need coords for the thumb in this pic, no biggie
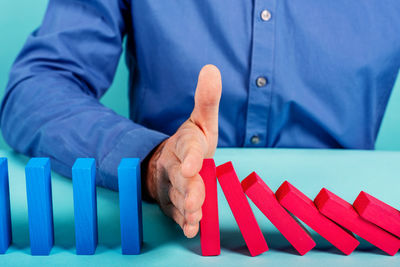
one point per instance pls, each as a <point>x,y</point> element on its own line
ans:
<point>206,103</point>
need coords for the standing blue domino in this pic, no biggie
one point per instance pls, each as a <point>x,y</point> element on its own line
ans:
<point>85,205</point>
<point>40,208</point>
<point>5,218</point>
<point>130,204</point>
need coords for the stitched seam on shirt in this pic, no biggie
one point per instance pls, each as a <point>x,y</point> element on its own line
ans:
<point>121,137</point>
<point>249,81</point>
<point>273,71</point>
<point>41,153</point>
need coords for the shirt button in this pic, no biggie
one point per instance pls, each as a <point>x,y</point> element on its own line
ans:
<point>261,81</point>
<point>255,139</point>
<point>265,15</point>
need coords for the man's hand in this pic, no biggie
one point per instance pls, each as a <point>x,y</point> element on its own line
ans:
<point>173,178</point>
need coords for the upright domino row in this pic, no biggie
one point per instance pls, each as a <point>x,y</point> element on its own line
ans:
<point>40,211</point>
<point>5,217</point>
<point>330,216</point>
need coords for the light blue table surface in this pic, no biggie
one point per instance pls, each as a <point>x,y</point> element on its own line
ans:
<point>343,172</point>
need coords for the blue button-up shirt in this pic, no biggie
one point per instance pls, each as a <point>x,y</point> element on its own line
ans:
<point>312,74</point>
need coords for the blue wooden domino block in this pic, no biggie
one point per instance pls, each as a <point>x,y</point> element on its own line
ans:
<point>5,218</point>
<point>40,207</point>
<point>130,205</point>
<point>85,205</point>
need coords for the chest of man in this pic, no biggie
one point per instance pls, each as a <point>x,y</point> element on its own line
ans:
<point>295,73</point>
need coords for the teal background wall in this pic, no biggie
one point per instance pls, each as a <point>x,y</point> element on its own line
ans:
<point>18,18</point>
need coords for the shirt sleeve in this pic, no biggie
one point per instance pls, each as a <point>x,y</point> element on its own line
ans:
<point>51,105</point>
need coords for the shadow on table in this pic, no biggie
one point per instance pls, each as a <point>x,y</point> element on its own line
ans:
<point>233,241</point>
<point>108,220</point>
<point>158,229</point>
<point>20,232</point>
<point>324,246</point>
<point>366,247</point>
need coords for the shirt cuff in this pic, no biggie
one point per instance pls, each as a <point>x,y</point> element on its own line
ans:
<point>137,143</point>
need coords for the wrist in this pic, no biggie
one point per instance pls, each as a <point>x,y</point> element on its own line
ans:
<point>149,174</point>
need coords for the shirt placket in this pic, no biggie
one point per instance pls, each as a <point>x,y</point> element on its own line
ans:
<point>261,79</point>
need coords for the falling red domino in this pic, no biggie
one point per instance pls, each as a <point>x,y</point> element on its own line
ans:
<point>265,200</point>
<point>241,209</point>
<point>343,213</point>
<point>303,208</point>
<point>209,224</point>
<point>378,212</point>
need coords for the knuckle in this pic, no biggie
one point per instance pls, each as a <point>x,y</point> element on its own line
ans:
<point>196,149</point>
<point>171,194</point>
<point>193,218</point>
<point>161,163</point>
<point>182,139</point>
<point>177,180</point>
<point>171,172</point>
<point>190,218</point>
<point>189,204</point>
<point>195,194</point>
<point>199,187</point>
<point>189,139</point>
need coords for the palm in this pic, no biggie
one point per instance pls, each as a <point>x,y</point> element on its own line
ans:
<point>173,173</point>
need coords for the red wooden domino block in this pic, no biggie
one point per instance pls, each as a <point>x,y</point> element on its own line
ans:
<point>343,213</point>
<point>265,200</point>
<point>209,224</point>
<point>378,212</point>
<point>241,209</point>
<point>303,208</point>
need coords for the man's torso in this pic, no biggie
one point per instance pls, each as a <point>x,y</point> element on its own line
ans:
<point>329,67</point>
